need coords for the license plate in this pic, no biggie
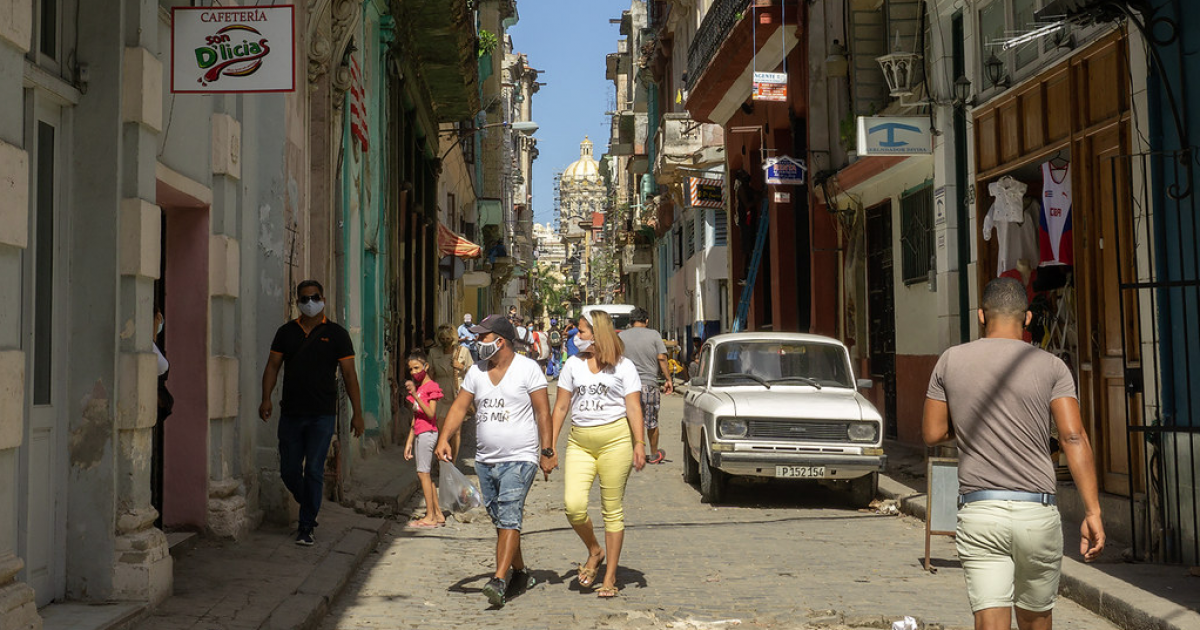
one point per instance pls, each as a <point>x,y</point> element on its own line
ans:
<point>800,472</point>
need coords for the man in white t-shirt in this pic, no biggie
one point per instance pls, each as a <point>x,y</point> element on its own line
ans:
<point>513,439</point>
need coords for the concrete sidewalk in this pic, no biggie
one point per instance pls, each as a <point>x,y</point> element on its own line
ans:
<point>264,581</point>
<point>1135,596</point>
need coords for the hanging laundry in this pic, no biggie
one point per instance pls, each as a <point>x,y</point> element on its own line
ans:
<point>1014,224</point>
<point>1055,225</point>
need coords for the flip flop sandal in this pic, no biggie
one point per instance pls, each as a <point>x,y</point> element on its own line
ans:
<point>420,525</point>
<point>657,458</point>
<point>607,592</point>
<point>586,577</point>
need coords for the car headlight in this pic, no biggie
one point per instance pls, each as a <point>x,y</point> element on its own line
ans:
<point>733,428</point>
<point>862,431</point>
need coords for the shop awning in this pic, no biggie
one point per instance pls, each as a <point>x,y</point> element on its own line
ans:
<point>451,244</point>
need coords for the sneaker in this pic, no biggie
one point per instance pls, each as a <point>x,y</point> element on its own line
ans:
<point>520,582</point>
<point>494,591</point>
<point>304,537</point>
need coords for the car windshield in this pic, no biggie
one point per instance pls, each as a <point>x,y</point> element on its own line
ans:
<point>780,363</point>
<point>620,321</point>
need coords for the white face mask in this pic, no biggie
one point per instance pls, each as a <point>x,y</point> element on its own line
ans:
<point>312,309</point>
<point>487,350</point>
<point>583,345</point>
<point>158,331</point>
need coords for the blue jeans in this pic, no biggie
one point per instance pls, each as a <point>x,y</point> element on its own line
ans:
<point>504,486</point>
<point>303,444</point>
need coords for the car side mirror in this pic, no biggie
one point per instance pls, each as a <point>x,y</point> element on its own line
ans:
<point>865,383</point>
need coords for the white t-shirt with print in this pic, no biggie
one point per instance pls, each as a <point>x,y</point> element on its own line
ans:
<point>598,398</point>
<point>505,426</point>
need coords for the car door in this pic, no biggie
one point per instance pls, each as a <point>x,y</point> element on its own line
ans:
<point>693,413</point>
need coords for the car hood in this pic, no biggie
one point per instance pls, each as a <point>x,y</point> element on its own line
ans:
<point>796,402</point>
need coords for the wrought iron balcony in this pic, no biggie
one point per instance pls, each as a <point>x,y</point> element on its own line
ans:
<point>722,16</point>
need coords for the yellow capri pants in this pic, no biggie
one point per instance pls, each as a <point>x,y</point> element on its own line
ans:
<point>606,450</point>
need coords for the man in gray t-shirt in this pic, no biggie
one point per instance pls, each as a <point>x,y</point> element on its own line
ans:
<point>995,398</point>
<point>645,347</point>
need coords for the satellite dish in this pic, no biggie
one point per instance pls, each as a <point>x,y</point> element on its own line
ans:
<point>452,267</point>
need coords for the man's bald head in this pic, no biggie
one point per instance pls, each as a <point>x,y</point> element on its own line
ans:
<point>1005,298</point>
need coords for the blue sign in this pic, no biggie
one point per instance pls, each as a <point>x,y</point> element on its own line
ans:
<point>784,171</point>
<point>894,135</point>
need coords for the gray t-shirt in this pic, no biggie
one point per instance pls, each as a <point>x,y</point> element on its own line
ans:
<point>642,346</point>
<point>999,393</point>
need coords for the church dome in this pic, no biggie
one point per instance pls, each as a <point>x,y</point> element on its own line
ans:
<point>586,168</point>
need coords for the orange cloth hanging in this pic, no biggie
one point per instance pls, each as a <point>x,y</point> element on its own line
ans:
<point>451,244</point>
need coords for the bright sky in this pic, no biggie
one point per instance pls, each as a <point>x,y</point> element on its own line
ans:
<point>567,40</point>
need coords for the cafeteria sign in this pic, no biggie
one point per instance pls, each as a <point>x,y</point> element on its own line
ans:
<point>770,86</point>
<point>233,49</point>
<point>784,171</point>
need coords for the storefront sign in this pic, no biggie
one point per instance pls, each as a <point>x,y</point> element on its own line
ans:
<point>784,171</point>
<point>782,197</point>
<point>939,206</point>
<point>894,135</point>
<point>233,49</point>
<point>770,86</point>
<point>706,192</point>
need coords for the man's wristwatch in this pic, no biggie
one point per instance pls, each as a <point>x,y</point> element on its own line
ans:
<point>547,452</point>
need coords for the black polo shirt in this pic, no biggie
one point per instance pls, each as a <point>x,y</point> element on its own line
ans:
<point>310,366</point>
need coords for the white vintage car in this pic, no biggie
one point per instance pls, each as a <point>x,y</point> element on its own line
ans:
<point>782,405</point>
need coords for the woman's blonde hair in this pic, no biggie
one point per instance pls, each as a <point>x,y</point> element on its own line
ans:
<point>606,343</point>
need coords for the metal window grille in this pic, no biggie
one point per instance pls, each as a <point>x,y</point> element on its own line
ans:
<point>916,234</point>
<point>720,228</point>
<point>689,238</point>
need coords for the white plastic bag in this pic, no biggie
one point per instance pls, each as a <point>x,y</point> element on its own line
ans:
<point>908,623</point>
<point>456,493</point>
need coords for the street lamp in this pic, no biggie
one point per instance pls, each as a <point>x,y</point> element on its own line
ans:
<point>524,126</point>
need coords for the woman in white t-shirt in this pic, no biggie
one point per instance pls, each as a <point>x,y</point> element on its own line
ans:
<point>603,392</point>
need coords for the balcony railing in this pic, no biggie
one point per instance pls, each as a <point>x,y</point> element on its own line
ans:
<point>722,16</point>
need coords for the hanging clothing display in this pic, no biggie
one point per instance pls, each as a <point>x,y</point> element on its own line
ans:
<point>1014,223</point>
<point>1055,225</point>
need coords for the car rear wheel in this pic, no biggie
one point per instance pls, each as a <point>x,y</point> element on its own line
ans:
<point>712,480</point>
<point>863,490</point>
<point>691,470</point>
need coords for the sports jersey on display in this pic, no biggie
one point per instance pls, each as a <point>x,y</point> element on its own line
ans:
<point>1054,230</point>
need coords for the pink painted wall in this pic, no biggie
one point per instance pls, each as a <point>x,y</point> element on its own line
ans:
<point>185,449</point>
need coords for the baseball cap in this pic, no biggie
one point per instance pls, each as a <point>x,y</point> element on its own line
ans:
<point>496,324</point>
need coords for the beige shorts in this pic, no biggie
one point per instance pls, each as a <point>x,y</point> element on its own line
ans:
<point>1011,552</point>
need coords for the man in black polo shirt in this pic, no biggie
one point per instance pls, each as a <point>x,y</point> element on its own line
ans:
<point>312,348</point>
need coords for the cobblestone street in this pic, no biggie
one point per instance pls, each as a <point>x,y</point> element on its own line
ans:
<point>774,556</point>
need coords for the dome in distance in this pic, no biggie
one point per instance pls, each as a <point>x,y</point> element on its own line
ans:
<point>586,168</point>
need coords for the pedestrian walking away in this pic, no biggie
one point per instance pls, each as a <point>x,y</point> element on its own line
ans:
<point>512,432</point>
<point>423,397</point>
<point>466,337</point>
<point>603,393</point>
<point>310,349</point>
<point>572,330</point>
<point>644,346</point>
<point>995,398</point>
<point>449,360</point>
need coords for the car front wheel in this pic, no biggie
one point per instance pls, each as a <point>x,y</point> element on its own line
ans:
<point>691,470</point>
<point>863,490</point>
<point>712,480</point>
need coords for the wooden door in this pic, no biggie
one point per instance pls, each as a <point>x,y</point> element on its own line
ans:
<point>881,309</point>
<point>1110,331</point>
<point>41,521</point>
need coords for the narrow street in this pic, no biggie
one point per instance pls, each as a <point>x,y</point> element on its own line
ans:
<point>775,556</point>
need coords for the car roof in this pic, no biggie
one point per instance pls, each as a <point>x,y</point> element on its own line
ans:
<point>772,336</point>
<point>620,309</point>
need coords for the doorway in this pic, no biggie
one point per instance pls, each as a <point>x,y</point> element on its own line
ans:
<point>42,524</point>
<point>881,309</point>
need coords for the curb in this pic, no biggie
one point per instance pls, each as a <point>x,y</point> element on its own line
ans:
<point>305,608</point>
<point>1120,602</point>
